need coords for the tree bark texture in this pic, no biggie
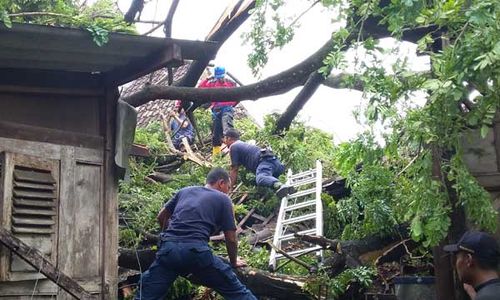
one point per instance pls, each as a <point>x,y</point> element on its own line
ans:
<point>261,283</point>
<point>313,82</point>
<point>273,85</point>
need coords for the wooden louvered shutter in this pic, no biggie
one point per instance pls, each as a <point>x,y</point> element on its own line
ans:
<point>30,210</point>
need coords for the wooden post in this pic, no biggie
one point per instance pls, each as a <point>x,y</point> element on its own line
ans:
<point>37,261</point>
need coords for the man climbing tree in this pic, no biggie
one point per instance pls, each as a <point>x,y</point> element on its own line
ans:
<point>222,111</point>
<point>187,221</point>
<point>263,162</point>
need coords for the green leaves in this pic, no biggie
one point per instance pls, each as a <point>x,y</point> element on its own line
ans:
<point>100,36</point>
<point>338,285</point>
<point>98,18</point>
<point>477,202</point>
<point>5,19</point>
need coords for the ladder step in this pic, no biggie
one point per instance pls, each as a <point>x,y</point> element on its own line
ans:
<point>290,236</point>
<point>304,181</point>
<point>300,251</point>
<point>300,205</point>
<point>302,193</point>
<point>310,173</point>
<point>299,219</point>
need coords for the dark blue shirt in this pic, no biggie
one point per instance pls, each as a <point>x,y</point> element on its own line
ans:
<point>198,212</point>
<point>179,133</point>
<point>243,154</point>
<point>489,290</point>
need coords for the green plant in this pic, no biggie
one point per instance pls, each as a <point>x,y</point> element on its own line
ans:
<point>338,285</point>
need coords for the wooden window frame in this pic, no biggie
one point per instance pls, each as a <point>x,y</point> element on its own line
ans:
<point>9,161</point>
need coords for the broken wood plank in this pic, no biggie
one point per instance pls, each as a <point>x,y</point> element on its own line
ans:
<point>37,261</point>
<point>242,199</point>
<point>193,156</point>
<point>266,221</point>
<point>259,217</point>
<point>245,219</point>
<point>296,260</point>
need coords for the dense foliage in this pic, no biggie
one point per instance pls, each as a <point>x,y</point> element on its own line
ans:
<point>391,172</point>
<point>98,19</point>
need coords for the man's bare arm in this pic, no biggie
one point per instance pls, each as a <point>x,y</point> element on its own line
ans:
<point>233,175</point>
<point>232,249</point>
<point>163,217</point>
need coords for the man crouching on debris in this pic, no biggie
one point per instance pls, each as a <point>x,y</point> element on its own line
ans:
<point>266,166</point>
<point>189,218</point>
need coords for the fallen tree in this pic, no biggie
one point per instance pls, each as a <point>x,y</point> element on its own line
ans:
<point>263,283</point>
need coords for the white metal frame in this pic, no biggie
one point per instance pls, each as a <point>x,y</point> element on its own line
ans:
<point>299,179</point>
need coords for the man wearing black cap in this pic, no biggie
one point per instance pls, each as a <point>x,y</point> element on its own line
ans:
<point>263,162</point>
<point>477,256</point>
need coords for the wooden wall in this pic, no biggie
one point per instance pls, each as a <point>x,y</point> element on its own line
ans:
<point>73,128</point>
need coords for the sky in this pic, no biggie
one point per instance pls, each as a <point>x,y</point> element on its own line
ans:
<point>329,109</point>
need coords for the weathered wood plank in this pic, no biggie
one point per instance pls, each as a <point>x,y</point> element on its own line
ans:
<point>35,186</point>
<point>33,194</point>
<point>110,204</point>
<point>34,230</point>
<point>36,212</point>
<point>17,289</point>
<point>36,260</point>
<point>32,221</point>
<point>48,135</point>
<point>31,202</point>
<point>33,176</point>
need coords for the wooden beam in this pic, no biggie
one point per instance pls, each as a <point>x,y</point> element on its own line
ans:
<point>49,135</point>
<point>170,55</point>
<point>37,261</point>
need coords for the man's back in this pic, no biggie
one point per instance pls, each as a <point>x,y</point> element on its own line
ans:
<point>219,83</point>
<point>244,154</point>
<point>197,212</point>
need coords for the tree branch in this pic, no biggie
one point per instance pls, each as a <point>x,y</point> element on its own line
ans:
<point>135,8</point>
<point>277,84</point>
<point>168,20</point>
<point>227,24</point>
<point>312,84</point>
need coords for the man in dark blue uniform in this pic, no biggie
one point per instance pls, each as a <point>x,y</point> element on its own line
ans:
<point>477,256</point>
<point>266,166</point>
<point>190,217</point>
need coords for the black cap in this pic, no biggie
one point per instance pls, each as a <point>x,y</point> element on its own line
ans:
<point>477,243</point>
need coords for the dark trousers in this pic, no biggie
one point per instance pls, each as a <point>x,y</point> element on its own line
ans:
<point>268,171</point>
<point>222,120</point>
<point>180,259</point>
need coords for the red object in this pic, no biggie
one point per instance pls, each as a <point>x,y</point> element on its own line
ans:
<point>178,103</point>
<point>218,83</point>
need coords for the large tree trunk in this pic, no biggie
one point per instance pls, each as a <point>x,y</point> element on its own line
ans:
<point>261,283</point>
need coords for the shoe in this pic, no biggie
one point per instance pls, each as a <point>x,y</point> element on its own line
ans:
<point>285,190</point>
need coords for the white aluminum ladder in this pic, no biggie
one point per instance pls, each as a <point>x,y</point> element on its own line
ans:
<point>308,195</point>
